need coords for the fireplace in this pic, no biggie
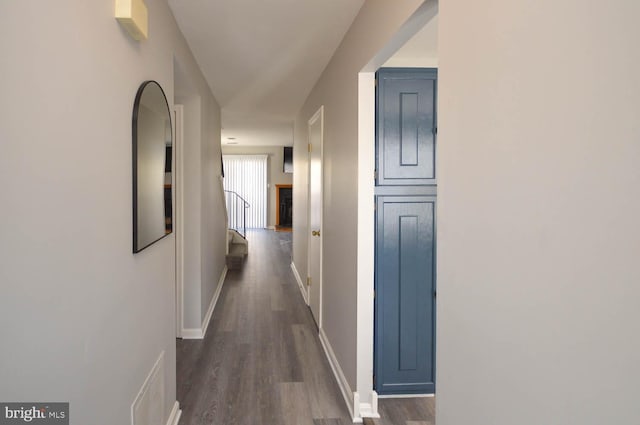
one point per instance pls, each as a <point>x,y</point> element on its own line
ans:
<point>284,206</point>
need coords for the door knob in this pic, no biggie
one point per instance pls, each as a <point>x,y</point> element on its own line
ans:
<point>315,233</point>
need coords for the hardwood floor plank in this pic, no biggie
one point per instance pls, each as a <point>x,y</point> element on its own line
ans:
<point>277,298</point>
<point>289,367</point>
<point>229,298</point>
<point>323,390</point>
<point>295,404</point>
<point>407,410</point>
<point>376,421</point>
<point>330,422</point>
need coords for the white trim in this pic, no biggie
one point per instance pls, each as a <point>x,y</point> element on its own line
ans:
<point>192,333</point>
<point>366,410</point>
<point>356,416</point>
<point>345,389</point>
<point>174,416</point>
<point>406,396</point>
<point>195,333</point>
<point>365,244</point>
<point>305,296</point>
<point>214,301</point>
<point>178,184</point>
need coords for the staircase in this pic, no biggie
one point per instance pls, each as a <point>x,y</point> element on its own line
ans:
<point>238,248</point>
<point>237,244</point>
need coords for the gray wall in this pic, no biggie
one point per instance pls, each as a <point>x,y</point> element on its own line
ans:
<point>538,235</point>
<point>83,319</point>
<point>275,174</point>
<point>337,90</point>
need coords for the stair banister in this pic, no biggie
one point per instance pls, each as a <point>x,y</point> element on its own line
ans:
<point>236,204</point>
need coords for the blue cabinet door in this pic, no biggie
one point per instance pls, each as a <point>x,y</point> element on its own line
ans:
<point>405,313</point>
<point>406,190</point>
<point>406,148</point>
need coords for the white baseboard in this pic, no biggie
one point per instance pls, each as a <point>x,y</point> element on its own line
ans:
<point>199,333</point>
<point>300,284</point>
<point>174,416</point>
<point>214,301</point>
<point>407,396</point>
<point>345,389</point>
<point>192,333</point>
<point>366,410</point>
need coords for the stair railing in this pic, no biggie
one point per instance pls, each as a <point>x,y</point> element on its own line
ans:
<point>237,212</point>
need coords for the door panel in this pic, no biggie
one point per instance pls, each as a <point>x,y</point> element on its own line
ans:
<point>315,215</point>
<point>405,313</point>
<point>406,147</point>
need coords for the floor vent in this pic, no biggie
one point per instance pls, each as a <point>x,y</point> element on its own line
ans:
<point>148,407</point>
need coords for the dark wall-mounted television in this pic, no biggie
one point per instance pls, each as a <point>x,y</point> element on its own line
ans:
<point>287,164</point>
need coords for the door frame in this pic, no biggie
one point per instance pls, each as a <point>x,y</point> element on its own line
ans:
<point>178,212</point>
<point>318,115</point>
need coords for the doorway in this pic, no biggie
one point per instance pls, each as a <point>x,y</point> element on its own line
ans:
<point>424,21</point>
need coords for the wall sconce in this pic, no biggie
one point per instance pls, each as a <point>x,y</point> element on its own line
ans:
<point>132,15</point>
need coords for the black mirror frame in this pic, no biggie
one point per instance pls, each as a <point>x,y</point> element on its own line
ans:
<point>134,137</point>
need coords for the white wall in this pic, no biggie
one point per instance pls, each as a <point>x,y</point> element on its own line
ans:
<point>204,224</point>
<point>213,224</point>
<point>192,286</point>
<point>421,51</point>
<point>538,206</point>
<point>83,319</point>
<point>337,90</point>
<point>275,174</point>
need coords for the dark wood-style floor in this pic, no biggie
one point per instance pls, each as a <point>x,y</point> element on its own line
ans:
<point>261,362</point>
<point>405,411</point>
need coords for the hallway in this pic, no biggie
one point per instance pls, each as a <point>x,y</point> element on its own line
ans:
<point>261,361</point>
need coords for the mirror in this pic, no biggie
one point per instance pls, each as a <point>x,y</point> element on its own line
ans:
<point>152,151</point>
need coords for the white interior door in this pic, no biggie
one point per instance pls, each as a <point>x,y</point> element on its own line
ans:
<point>315,215</point>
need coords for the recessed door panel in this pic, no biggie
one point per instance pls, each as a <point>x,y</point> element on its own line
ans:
<point>406,146</point>
<point>405,312</point>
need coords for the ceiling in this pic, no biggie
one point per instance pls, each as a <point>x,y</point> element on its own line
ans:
<point>262,58</point>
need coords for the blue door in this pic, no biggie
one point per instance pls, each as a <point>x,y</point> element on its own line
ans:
<point>405,232</point>
<point>406,127</point>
